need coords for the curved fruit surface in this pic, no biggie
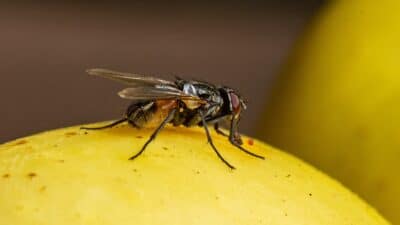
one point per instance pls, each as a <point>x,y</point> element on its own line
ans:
<point>337,104</point>
<point>71,176</point>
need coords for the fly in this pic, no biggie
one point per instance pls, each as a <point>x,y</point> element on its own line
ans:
<point>157,102</point>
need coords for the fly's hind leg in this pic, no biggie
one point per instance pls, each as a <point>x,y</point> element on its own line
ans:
<point>154,135</point>
<point>106,126</point>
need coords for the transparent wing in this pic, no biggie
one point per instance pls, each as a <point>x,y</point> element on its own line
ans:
<point>156,93</point>
<point>130,78</point>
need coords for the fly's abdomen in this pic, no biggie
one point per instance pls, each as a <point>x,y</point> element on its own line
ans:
<point>140,112</point>
<point>150,114</point>
<point>186,117</point>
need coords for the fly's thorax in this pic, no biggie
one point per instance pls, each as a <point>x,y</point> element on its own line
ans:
<point>206,92</point>
<point>190,89</point>
<point>192,104</point>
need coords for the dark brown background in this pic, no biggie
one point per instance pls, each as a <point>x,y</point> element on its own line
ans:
<point>45,48</point>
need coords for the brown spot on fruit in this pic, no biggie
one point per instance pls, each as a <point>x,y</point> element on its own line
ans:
<point>70,134</point>
<point>20,142</point>
<point>32,175</point>
<point>139,137</point>
<point>6,175</point>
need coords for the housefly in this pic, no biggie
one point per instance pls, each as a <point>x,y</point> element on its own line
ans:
<point>157,102</point>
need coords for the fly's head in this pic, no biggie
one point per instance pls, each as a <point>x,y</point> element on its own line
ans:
<point>236,102</point>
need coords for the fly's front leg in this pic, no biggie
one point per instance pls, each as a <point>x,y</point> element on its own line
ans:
<point>154,135</point>
<point>219,131</point>
<point>233,136</point>
<point>215,121</point>
<point>211,141</point>
<point>106,126</point>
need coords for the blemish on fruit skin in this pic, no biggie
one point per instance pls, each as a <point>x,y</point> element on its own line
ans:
<point>139,137</point>
<point>43,189</point>
<point>70,134</point>
<point>21,142</point>
<point>165,148</point>
<point>6,175</point>
<point>61,161</point>
<point>250,141</point>
<point>32,175</point>
<point>310,194</point>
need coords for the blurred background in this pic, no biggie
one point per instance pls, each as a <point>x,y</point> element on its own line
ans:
<point>46,47</point>
<point>335,103</point>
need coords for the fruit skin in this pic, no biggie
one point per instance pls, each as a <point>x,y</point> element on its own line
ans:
<point>68,176</point>
<point>337,103</point>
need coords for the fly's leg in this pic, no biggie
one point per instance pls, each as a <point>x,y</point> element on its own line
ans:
<point>154,135</point>
<point>219,131</point>
<point>212,143</point>
<point>106,126</point>
<point>215,121</point>
<point>234,142</point>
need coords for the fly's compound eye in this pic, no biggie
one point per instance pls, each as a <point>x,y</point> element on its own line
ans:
<point>235,103</point>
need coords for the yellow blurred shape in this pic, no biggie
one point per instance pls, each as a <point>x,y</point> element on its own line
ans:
<point>337,104</point>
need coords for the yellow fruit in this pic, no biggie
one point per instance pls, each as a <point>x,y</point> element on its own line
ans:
<point>337,104</point>
<point>68,176</point>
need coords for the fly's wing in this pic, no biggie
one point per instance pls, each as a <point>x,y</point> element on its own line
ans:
<point>130,78</point>
<point>157,93</point>
<point>147,88</point>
